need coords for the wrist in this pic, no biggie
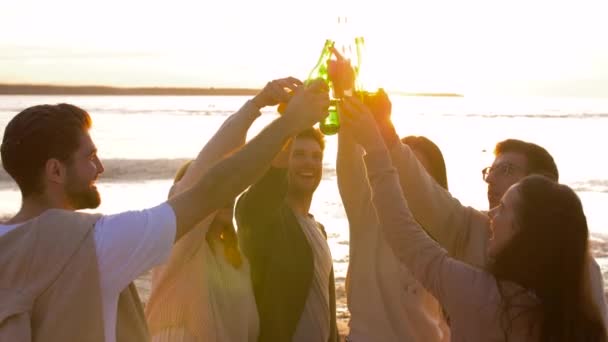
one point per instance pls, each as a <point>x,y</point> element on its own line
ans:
<point>250,109</point>
<point>288,125</point>
<point>373,141</point>
<point>389,134</point>
<point>257,102</point>
<point>375,146</point>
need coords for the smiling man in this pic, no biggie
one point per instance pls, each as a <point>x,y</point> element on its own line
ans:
<point>291,264</point>
<point>67,275</point>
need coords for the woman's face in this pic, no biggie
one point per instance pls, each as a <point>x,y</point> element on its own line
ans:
<point>502,221</point>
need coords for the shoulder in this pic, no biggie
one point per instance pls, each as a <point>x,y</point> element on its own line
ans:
<point>322,228</point>
<point>66,219</point>
<point>161,213</point>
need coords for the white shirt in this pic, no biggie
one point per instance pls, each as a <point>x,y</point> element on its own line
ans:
<point>127,244</point>
<point>314,324</point>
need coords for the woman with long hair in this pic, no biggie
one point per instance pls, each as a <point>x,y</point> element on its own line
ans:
<point>534,288</point>
<point>204,292</point>
<point>388,303</point>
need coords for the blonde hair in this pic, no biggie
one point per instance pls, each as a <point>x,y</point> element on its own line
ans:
<point>228,236</point>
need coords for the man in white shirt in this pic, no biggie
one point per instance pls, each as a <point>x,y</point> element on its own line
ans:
<point>48,151</point>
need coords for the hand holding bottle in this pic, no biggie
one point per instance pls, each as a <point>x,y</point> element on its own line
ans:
<point>379,104</point>
<point>276,91</point>
<point>341,74</point>
<point>359,120</point>
<point>308,105</point>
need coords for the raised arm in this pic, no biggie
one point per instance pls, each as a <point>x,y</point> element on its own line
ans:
<point>353,184</point>
<point>260,204</point>
<point>463,231</point>
<point>352,180</point>
<point>460,288</point>
<point>463,290</point>
<point>225,180</point>
<point>233,132</point>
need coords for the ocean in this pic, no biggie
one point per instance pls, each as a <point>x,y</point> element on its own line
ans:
<point>142,140</point>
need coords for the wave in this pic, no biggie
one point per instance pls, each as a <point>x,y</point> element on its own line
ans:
<point>133,170</point>
<point>529,116</point>
<point>593,185</point>
<point>211,111</point>
<point>225,110</point>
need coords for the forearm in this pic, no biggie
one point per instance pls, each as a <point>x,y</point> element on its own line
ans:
<point>429,202</point>
<point>225,180</point>
<point>262,198</point>
<point>458,286</point>
<point>352,180</point>
<point>229,137</point>
<point>441,215</point>
<point>409,243</point>
<point>389,134</point>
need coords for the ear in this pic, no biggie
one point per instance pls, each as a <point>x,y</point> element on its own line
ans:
<point>55,171</point>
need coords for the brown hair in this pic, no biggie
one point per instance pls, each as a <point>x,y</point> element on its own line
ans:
<point>433,154</point>
<point>227,235</point>
<point>37,134</point>
<point>549,257</point>
<point>538,160</point>
<point>313,133</point>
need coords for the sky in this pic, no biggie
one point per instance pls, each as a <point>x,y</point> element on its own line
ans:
<point>543,47</point>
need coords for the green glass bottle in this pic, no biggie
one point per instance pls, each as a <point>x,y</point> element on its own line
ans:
<point>365,87</point>
<point>331,124</point>
<point>360,87</point>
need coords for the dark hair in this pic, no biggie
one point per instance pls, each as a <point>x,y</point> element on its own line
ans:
<point>548,255</point>
<point>37,134</point>
<point>228,235</point>
<point>313,133</point>
<point>433,154</point>
<point>538,160</point>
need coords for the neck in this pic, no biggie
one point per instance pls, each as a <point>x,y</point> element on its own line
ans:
<point>33,206</point>
<point>299,203</point>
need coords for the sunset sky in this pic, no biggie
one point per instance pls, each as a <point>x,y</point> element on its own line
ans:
<point>546,47</point>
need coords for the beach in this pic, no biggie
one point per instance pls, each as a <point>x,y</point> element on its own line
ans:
<point>142,140</point>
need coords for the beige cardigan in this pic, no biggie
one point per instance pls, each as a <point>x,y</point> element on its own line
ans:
<point>197,295</point>
<point>462,231</point>
<point>385,301</point>
<point>470,295</point>
<point>49,284</point>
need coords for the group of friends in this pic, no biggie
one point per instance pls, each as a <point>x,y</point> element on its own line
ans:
<point>422,267</point>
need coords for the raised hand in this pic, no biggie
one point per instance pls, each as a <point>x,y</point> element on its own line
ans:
<point>276,91</point>
<point>341,74</point>
<point>359,120</point>
<point>308,105</point>
<point>380,105</point>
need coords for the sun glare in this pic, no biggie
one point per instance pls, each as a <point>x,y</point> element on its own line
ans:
<point>412,46</point>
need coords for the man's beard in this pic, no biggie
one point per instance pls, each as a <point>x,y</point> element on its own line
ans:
<point>87,198</point>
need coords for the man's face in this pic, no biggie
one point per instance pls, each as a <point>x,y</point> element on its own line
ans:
<point>305,166</point>
<point>508,168</point>
<point>81,173</point>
